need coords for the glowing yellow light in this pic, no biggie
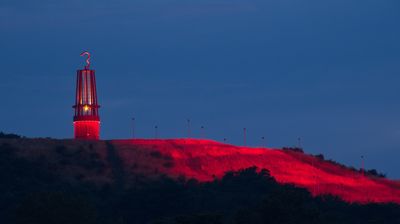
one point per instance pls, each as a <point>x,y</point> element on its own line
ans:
<point>86,108</point>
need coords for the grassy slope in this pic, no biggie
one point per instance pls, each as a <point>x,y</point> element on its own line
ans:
<point>204,160</point>
<point>122,160</point>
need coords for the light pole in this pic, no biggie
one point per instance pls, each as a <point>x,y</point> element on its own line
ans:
<point>133,128</point>
<point>244,136</point>
<point>202,132</point>
<point>299,142</point>
<point>263,141</point>
<point>188,127</point>
<point>156,131</point>
<point>362,166</point>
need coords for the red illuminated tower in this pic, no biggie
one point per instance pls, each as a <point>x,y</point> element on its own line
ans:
<point>86,118</point>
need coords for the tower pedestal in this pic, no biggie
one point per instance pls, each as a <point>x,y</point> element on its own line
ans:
<point>87,130</point>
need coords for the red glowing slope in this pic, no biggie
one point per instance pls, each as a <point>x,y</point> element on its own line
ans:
<point>204,160</point>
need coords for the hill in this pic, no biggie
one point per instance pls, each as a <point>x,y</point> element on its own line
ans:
<point>151,181</point>
<point>102,162</point>
<point>205,160</point>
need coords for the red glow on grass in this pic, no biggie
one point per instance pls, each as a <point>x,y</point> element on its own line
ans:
<point>204,160</point>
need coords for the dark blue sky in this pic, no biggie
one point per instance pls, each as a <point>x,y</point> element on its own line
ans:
<point>328,71</point>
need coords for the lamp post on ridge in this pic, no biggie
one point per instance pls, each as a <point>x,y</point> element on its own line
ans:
<point>362,165</point>
<point>244,136</point>
<point>188,127</point>
<point>263,142</point>
<point>133,128</point>
<point>299,142</point>
<point>156,131</point>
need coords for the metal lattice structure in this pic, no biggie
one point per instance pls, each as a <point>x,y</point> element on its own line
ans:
<point>86,117</point>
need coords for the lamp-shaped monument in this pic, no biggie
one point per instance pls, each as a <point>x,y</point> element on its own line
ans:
<point>86,118</point>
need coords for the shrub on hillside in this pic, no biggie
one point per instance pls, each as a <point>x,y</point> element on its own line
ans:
<point>294,149</point>
<point>9,136</point>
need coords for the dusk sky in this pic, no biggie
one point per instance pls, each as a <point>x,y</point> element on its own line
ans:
<point>325,71</point>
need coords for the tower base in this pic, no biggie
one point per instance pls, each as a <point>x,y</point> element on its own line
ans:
<point>89,130</point>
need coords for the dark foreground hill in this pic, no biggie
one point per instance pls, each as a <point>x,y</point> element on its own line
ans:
<point>178,181</point>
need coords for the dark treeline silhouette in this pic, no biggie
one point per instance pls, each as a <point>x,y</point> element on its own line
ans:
<point>9,136</point>
<point>371,172</point>
<point>33,193</point>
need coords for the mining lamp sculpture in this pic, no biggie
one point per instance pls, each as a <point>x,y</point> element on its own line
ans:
<point>86,118</point>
